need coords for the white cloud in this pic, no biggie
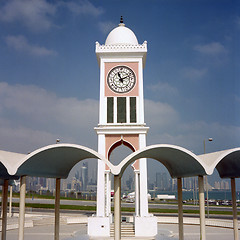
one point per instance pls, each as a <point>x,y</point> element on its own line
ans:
<point>36,15</point>
<point>82,7</point>
<point>32,117</point>
<point>194,73</point>
<point>106,27</point>
<point>20,43</point>
<point>163,88</point>
<point>159,115</point>
<point>214,48</point>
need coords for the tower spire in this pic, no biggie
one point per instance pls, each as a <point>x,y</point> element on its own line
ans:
<point>121,19</point>
<point>121,22</point>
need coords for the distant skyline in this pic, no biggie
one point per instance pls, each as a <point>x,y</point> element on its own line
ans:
<point>49,76</point>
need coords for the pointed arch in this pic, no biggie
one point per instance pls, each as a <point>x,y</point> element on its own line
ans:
<point>119,143</point>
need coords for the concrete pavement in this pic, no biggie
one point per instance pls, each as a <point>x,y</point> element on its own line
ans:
<point>74,227</point>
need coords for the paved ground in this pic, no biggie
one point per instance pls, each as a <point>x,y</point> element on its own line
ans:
<point>79,232</point>
<point>40,227</point>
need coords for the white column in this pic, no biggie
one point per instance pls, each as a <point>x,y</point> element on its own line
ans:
<point>108,193</point>
<point>143,179</point>
<point>21,219</point>
<point>4,212</point>
<point>234,207</point>
<point>101,181</point>
<point>136,193</point>
<point>180,209</point>
<point>57,209</point>
<point>117,207</point>
<point>202,208</point>
<point>10,202</point>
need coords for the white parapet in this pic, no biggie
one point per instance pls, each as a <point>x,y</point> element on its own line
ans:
<point>99,226</point>
<point>145,226</point>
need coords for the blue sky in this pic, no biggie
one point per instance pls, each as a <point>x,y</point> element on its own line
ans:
<point>49,76</point>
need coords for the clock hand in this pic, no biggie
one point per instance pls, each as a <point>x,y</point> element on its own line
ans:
<point>125,77</point>
<point>120,79</point>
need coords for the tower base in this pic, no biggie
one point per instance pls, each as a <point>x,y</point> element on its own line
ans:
<point>145,226</point>
<point>99,226</point>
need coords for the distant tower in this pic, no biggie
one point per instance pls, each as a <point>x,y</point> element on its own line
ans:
<point>121,117</point>
<point>84,175</point>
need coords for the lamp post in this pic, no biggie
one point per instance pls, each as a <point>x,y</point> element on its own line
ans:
<point>204,146</point>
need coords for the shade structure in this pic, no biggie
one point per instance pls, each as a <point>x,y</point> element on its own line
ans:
<point>229,165</point>
<point>179,161</point>
<point>7,161</point>
<point>53,161</point>
<point>227,162</point>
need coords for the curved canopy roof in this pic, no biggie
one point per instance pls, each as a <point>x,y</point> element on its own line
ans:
<point>57,160</point>
<point>7,161</point>
<point>54,161</point>
<point>179,161</point>
<point>226,162</point>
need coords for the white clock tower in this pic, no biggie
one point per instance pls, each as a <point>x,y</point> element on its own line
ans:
<point>121,117</point>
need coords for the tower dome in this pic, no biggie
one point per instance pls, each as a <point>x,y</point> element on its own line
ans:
<point>121,35</point>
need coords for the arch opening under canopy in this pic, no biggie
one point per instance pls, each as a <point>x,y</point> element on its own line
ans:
<point>179,161</point>
<point>54,161</point>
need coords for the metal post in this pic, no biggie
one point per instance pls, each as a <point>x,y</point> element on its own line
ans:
<point>180,209</point>
<point>4,212</point>
<point>117,207</point>
<point>57,209</point>
<point>234,207</point>
<point>22,208</point>
<point>201,208</point>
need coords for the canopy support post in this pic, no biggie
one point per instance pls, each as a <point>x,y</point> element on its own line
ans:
<point>137,193</point>
<point>57,209</point>
<point>201,208</point>
<point>234,207</point>
<point>180,209</point>
<point>117,207</point>
<point>22,208</point>
<point>4,210</point>
<point>10,202</point>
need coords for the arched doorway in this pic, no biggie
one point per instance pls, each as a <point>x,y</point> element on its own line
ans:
<point>118,151</point>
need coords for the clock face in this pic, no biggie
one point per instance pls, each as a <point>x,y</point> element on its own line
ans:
<point>121,79</point>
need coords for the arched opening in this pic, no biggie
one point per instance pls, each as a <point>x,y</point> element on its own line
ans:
<point>119,143</point>
<point>162,188</point>
<point>116,153</point>
<point>180,163</point>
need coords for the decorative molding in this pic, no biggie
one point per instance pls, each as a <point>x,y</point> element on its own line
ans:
<point>121,47</point>
<point>120,50</point>
<point>121,129</point>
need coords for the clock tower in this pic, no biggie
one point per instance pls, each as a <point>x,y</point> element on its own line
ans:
<point>121,116</point>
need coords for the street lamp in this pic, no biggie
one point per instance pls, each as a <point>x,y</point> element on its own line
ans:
<point>204,146</point>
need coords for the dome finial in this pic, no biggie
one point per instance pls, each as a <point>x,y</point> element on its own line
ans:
<point>121,22</point>
<point>121,19</point>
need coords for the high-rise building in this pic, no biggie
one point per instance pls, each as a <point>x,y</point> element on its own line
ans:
<point>84,176</point>
<point>162,181</point>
